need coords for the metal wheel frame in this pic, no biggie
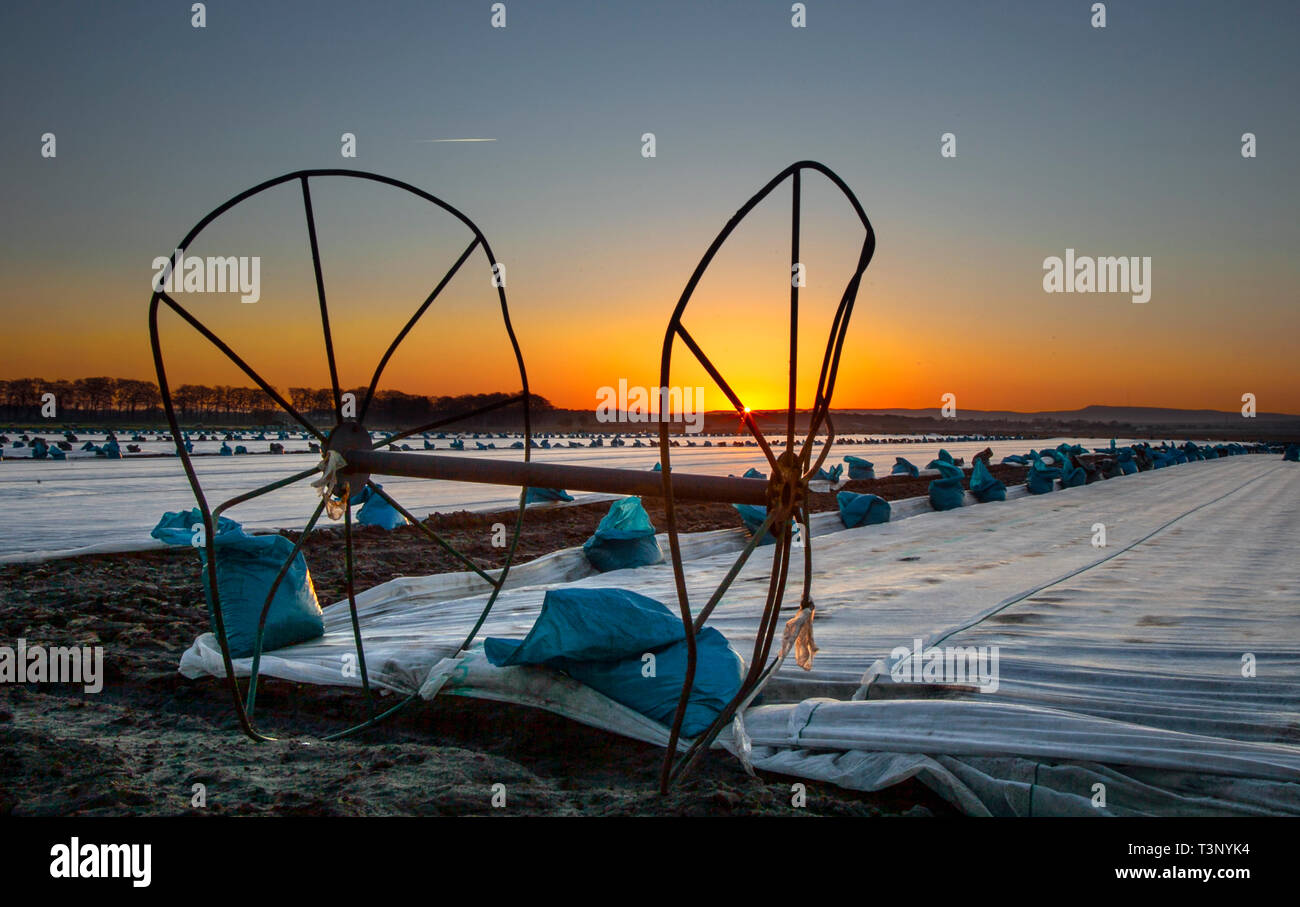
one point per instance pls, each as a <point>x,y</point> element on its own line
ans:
<point>788,483</point>
<point>244,708</point>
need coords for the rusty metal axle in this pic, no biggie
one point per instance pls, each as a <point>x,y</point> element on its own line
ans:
<point>719,489</point>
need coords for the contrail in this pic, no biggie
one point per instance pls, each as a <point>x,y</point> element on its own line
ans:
<point>432,141</point>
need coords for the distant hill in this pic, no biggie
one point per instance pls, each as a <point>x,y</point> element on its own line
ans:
<point>1096,420</point>
<point>1149,415</point>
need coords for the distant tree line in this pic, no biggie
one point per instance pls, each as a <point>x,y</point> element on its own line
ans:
<point>391,408</point>
<point>129,400</point>
<point>84,399</point>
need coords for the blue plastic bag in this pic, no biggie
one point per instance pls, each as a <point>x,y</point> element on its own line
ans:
<point>946,492</point>
<point>537,495</point>
<point>600,637</point>
<point>625,538</point>
<point>246,567</point>
<point>753,517</point>
<point>590,625</point>
<point>862,509</point>
<point>1073,476</point>
<point>944,457</point>
<point>860,469</point>
<point>903,468</point>
<point>831,475</point>
<point>375,511</point>
<point>1041,478</point>
<point>984,486</point>
<point>1127,465</point>
<point>718,674</point>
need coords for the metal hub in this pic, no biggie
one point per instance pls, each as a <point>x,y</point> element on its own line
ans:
<point>347,436</point>
<point>787,490</point>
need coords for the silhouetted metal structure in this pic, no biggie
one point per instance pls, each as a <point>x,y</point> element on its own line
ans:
<point>784,494</point>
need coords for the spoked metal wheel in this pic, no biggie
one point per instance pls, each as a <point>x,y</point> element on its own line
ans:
<point>787,487</point>
<point>346,433</point>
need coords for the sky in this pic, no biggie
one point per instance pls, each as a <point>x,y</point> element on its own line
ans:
<point>1116,141</point>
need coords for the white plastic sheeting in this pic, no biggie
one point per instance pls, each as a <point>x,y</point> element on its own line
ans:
<point>1125,666</point>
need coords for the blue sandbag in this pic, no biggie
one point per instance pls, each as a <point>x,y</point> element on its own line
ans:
<point>862,509</point>
<point>178,527</point>
<point>903,468</point>
<point>625,538</point>
<point>246,567</point>
<point>948,470</point>
<point>375,511</point>
<point>1014,460</point>
<point>860,469</point>
<point>1073,476</point>
<point>753,517</point>
<point>753,473</point>
<point>832,475</point>
<point>600,637</point>
<point>1041,478</point>
<point>225,450</point>
<point>1291,454</point>
<point>538,495</point>
<point>590,625</point>
<point>944,457</point>
<point>984,486</point>
<point>718,674</point>
<point>946,492</point>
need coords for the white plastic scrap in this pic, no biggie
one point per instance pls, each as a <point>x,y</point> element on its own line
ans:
<point>330,466</point>
<point>743,746</point>
<point>798,631</point>
<point>439,675</point>
<point>869,676</point>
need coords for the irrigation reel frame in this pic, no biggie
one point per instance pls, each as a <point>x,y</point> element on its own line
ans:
<point>784,494</point>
